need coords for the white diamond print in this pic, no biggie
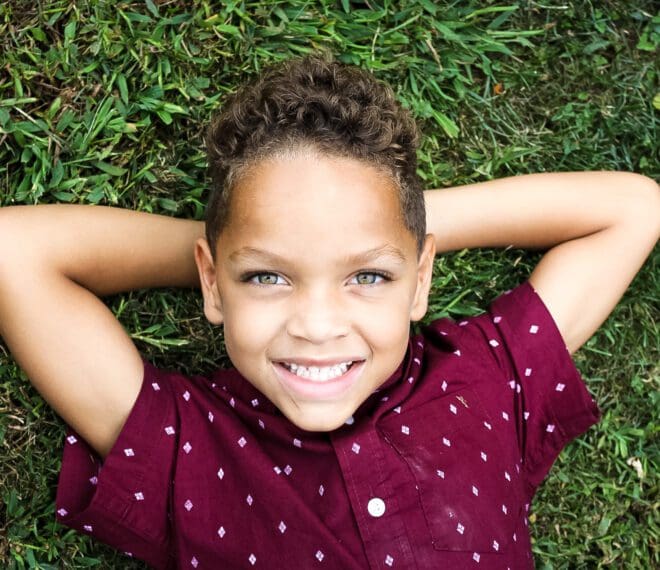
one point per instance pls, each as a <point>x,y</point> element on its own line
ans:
<point>405,430</point>
<point>222,532</point>
<point>411,379</point>
<point>493,342</point>
<point>88,527</point>
<point>475,491</point>
<point>277,469</point>
<point>457,352</point>
<point>460,529</point>
<point>488,426</point>
<point>355,448</point>
<point>321,490</point>
<point>242,441</point>
<point>262,425</point>
<point>440,473</point>
<point>188,505</point>
<point>550,428</point>
<point>397,409</point>
<point>319,555</point>
<point>496,545</point>
<point>187,447</point>
<point>211,417</point>
<point>505,510</point>
<point>155,386</point>
<point>186,395</point>
<point>252,559</point>
<point>129,452</point>
<point>288,469</point>
<point>533,329</point>
<point>93,480</point>
<point>505,416</point>
<point>526,415</point>
<point>507,476</point>
<point>249,500</point>
<point>484,457</point>
<point>497,319</point>
<point>232,402</point>
<point>169,430</point>
<point>453,409</point>
<point>389,560</point>
<point>476,557</point>
<point>297,442</point>
<point>528,371</point>
<point>71,439</point>
<point>560,387</point>
<point>139,496</point>
<point>282,527</point>
<point>446,442</point>
<point>221,473</point>
<point>193,562</point>
<point>444,386</point>
<point>62,512</point>
<point>255,403</point>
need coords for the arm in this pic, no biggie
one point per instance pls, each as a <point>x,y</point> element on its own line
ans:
<point>55,260</point>
<point>598,227</point>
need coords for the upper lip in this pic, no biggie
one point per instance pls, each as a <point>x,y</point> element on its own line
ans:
<point>318,362</point>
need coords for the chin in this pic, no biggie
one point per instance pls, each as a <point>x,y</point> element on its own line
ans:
<point>318,422</point>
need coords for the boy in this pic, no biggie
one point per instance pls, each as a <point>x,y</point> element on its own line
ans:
<point>338,440</point>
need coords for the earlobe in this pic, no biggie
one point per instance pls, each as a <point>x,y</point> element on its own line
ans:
<point>208,282</point>
<point>424,275</point>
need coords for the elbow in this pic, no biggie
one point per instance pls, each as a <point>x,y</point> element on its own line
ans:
<point>644,202</point>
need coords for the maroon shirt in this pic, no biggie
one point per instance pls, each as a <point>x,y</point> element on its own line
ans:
<point>435,470</point>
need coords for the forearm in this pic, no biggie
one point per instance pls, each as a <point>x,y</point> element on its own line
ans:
<point>106,250</point>
<point>538,210</point>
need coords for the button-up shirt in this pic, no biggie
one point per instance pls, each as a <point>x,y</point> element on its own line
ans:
<point>436,469</point>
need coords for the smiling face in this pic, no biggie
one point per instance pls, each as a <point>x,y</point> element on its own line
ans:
<point>316,281</point>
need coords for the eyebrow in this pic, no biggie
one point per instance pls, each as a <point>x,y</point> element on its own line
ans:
<point>255,254</point>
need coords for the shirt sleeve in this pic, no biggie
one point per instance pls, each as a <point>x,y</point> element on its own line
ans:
<point>551,402</point>
<point>124,500</point>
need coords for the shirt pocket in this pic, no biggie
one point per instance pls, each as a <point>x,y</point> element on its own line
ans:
<point>468,481</point>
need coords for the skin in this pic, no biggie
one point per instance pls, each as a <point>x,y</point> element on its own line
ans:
<point>291,281</point>
<point>597,229</point>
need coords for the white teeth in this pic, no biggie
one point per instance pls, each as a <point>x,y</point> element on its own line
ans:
<point>319,373</point>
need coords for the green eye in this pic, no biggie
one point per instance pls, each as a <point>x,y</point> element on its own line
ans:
<point>265,279</point>
<point>370,278</point>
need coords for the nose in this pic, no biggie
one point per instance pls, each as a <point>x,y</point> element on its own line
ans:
<point>317,317</point>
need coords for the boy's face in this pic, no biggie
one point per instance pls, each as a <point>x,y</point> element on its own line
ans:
<point>316,280</point>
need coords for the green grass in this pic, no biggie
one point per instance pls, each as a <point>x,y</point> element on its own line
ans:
<point>106,103</point>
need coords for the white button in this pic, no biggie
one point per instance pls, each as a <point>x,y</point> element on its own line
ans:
<point>376,507</point>
<point>350,420</point>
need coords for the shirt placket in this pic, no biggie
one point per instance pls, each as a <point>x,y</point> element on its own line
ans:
<point>373,501</point>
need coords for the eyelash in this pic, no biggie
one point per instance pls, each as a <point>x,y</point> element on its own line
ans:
<point>248,277</point>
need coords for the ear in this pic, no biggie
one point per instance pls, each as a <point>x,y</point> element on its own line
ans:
<point>424,274</point>
<point>208,282</point>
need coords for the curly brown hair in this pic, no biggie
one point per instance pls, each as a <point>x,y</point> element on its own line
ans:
<point>335,109</point>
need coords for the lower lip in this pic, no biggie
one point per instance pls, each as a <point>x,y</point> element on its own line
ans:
<point>321,390</point>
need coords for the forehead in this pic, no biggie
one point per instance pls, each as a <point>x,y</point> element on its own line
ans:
<point>306,205</point>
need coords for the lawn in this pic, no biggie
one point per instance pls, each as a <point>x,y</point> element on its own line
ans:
<point>106,103</point>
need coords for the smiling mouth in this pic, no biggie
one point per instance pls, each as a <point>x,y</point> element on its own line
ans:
<point>318,373</point>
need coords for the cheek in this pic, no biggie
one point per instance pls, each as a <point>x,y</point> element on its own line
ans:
<point>387,326</point>
<point>249,327</point>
